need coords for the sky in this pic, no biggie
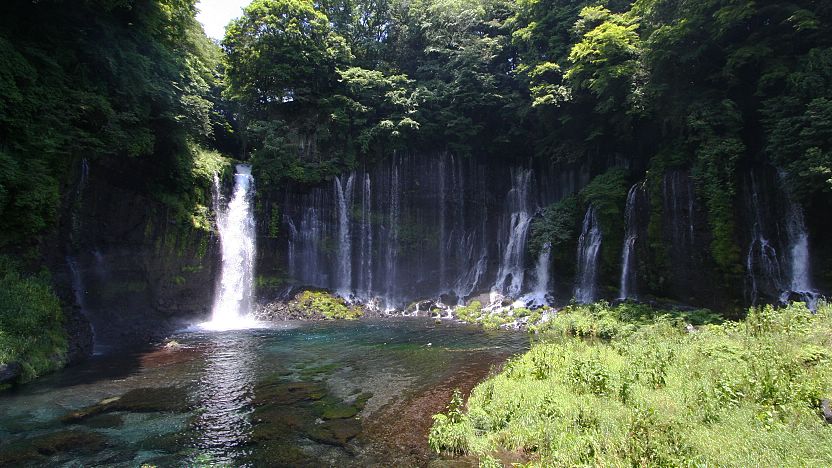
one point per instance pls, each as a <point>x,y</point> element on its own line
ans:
<point>215,14</point>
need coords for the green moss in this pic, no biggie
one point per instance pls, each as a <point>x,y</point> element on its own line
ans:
<point>31,330</point>
<point>314,303</point>
<point>269,282</point>
<point>632,386</point>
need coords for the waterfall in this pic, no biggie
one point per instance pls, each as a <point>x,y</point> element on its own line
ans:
<point>511,273</point>
<point>444,241</point>
<point>392,235</point>
<point>765,273</point>
<point>366,261</point>
<point>539,295</point>
<point>236,229</point>
<point>627,289</point>
<point>344,195</point>
<point>589,245</point>
<point>799,259</point>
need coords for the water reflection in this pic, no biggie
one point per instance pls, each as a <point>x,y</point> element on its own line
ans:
<point>224,394</point>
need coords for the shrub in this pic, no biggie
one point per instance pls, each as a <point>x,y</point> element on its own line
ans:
<point>31,330</point>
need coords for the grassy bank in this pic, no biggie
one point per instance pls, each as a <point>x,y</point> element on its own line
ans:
<point>616,386</point>
<point>31,331</point>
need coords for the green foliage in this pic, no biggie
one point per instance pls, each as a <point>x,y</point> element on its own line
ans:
<point>557,227</point>
<point>651,393</point>
<point>608,194</point>
<point>31,328</point>
<point>124,84</point>
<point>314,303</point>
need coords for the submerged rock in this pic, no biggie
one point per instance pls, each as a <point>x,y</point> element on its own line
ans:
<point>140,400</point>
<point>279,393</point>
<point>335,432</point>
<point>330,408</point>
<point>69,441</point>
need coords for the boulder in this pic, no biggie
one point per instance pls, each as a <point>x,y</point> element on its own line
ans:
<point>10,372</point>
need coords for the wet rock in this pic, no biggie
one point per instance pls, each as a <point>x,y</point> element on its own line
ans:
<point>9,372</point>
<point>335,432</point>
<point>826,407</point>
<point>449,298</point>
<point>420,308</point>
<point>69,441</point>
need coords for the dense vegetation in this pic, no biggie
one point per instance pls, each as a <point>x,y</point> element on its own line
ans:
<point>630,386</point>
<point>127,85</point>
<point>31,334</point>
<point>711,87</point>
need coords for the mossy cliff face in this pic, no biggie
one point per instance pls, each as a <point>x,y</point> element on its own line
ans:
<point>137,265</point>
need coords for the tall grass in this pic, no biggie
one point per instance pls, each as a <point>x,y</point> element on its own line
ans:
<point>625,386</point>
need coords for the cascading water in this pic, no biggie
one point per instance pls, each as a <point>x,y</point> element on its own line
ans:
<point>392,236</point>
<point>344,195</point>
<point>511,274</point>
<point>235,223</point>
<point>627,288</point>
<point>799,260</point>
<point>765,273</point>
<point>539,295</point>
<point>366,261</point>
<point>417,227</point>
<point>589,245</point>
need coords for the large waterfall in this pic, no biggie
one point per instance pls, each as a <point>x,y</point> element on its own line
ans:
<point>414,227</point>
<point>344,194</point>
<point>589,246</point>
<point>627,288</point>
<point>235,222</point>
<point>511,273</point>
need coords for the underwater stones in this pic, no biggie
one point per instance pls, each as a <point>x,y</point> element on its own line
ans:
<point>169,443</point>
<point>361,400</point>
<point>104,421</point>
<point>288,393</point>
<point>335,432</point>
<point>89,411</point>
<point>282,455</point>
<point>152,400</point>
<point>69,441</point>
<point>140,400</point>
<point>330,409</point>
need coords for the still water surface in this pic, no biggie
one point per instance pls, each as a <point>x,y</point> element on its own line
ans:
<point>295,394</point>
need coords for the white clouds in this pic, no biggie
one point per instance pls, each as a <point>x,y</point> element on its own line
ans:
<point>216,14</point>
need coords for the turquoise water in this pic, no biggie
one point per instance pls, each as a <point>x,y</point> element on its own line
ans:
<point>296,394</point>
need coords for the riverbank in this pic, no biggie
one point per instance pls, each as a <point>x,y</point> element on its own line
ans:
<point>609,387</point>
